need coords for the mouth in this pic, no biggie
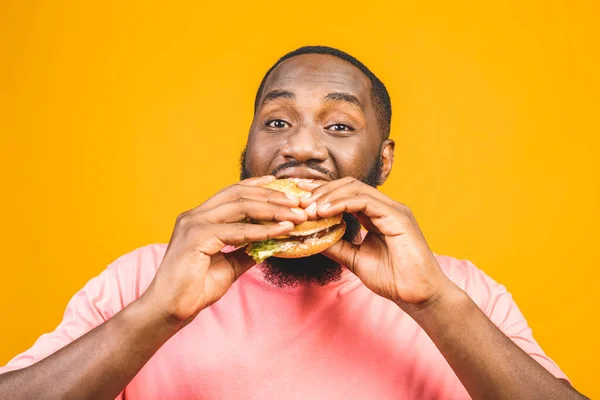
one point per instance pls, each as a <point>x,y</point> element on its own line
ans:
<point>301,173</point>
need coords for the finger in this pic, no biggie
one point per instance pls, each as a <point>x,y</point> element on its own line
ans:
<point>385,218</point>
<point>309,184</point>
<point>344,253</point>
<point>211,239</point>
<point>324,188</point>
<point>241,209</point>
<point>258,180</point>
<point>226,268</point>
<point>366,223</point>
<point>363,203</point>
<point>235,188</point>
<point>351,189</point>
<point>346,187</point>
<point>240,233</point>
<point>240,261</point>
<point>240,190</point>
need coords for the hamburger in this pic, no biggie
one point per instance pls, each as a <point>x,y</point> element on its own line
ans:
<point>306,239</point>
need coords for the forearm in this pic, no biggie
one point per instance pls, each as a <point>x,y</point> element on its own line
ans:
<point>488,363</point>
<point>99,364</point>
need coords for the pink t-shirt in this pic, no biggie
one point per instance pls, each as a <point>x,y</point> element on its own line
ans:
<point>341,341</point>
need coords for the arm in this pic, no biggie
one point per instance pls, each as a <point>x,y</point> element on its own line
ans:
<point>487,362</point>
<point>395,262</point>
<point>97,365</point>
<point>193,274</point>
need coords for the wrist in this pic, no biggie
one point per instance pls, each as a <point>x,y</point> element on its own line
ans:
<point>149,313</point>
<point>446,301</point>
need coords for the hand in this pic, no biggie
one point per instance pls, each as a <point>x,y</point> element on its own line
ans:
<point>194,272</point>
<point>394,259</point>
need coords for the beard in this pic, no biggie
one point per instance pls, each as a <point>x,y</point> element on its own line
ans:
<point>317,270</point>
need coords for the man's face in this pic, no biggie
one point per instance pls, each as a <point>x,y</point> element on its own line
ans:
<point>316,114</point>
<point>315,119</point>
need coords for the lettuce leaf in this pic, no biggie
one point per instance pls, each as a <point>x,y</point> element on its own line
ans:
<point>260,251</point>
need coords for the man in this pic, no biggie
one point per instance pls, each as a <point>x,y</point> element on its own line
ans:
<point>196,320</point>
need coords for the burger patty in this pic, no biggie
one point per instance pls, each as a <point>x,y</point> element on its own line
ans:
<point>315,235</point>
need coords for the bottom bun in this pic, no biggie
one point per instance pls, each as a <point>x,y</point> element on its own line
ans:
<point>309,247</point>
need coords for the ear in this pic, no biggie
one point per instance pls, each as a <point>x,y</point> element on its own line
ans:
<point>387,159</point>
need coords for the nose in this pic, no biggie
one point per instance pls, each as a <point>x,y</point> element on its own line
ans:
<point>304,144</point>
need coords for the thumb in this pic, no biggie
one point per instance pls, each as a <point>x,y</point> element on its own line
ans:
<point>344,253</point>
<point>240,261</point>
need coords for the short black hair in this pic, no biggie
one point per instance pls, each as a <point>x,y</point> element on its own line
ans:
<point>379,94</point>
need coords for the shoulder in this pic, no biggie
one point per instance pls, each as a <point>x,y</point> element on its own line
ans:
<point>131,273</point>
<point>144,258</point>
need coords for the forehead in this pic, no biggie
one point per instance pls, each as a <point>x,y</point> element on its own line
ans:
<point>320,73</point>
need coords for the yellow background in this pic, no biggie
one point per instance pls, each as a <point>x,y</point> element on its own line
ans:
<point>115,118</point>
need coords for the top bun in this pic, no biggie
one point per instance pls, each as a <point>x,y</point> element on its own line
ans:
<point>287,186</point>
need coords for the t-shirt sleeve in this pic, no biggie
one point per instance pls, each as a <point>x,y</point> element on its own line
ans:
<point>498,304</point>
<point>100,299</point>
<point>122,282</point>
<point>88,308</point>
<point>97,302</point>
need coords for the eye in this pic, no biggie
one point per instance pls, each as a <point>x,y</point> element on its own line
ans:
<point>339,128</point>
<point>277,124</point>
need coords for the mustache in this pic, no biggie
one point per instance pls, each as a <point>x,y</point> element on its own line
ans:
<point>309,164</point>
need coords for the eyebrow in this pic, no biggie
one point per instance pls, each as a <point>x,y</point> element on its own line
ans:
<point>334,96</point>
<point>345,97</point>
<point>276,94</point>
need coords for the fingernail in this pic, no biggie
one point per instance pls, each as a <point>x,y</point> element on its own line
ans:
<point>324,206</point>
<point>311,208</point>
<point>286,223</point>
<point>291,196</point>
<point>298,211</point>
<point>300,180</point>
<point>309,185</point>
